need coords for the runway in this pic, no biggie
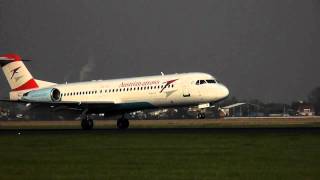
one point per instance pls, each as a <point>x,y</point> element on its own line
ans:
<point>166,126</point>
<point>160,131</point>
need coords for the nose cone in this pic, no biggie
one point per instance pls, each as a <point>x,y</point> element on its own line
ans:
<point>223,92</point>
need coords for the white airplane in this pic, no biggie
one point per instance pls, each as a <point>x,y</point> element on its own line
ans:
<point>112,97</point>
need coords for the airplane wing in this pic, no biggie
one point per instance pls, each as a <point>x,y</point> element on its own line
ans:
<point>233,105</point>
<point>90,107</point>
<point>61,102</point>
<point>66,105</point>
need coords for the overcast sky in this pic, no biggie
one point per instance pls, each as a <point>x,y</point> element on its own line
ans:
<point>267,49</point>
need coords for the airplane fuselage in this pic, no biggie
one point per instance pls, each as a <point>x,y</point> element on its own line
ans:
<point>146,92</point>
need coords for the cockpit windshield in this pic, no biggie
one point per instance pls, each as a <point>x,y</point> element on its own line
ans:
<point>209,81</point>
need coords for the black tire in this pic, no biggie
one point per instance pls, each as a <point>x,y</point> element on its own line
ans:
<point>201,116</point>
<point>87,124</point>
<point>122,123</point>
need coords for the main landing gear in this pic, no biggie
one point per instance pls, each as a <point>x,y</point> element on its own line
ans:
<point>122,123</point>
<point>87,123</point>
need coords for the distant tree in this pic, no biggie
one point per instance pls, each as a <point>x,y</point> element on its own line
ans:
<point>314,99</point>
<point>295,105</point>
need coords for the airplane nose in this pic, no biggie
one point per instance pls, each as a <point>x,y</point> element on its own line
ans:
<point>224,91</point>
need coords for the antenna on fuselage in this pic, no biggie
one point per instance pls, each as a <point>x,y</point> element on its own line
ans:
<point>162,73</point>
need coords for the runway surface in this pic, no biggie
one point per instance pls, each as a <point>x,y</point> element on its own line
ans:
<point>166,126</point>
<point>159,130</point>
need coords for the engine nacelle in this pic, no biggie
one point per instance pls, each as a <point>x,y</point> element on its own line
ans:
<point>42,95</point>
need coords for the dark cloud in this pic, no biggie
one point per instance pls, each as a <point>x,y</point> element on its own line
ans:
<point>260,49</point>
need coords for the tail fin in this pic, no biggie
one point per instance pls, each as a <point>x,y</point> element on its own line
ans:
<point>16,72</point>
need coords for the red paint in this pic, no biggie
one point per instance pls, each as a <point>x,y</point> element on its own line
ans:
<point>14,57</point>
<point>31,84</point>
<point>167,84</point>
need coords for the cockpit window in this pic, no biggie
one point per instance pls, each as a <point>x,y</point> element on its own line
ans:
<point>211,81</point>
<point>202,82</point>
<point>199,82</point>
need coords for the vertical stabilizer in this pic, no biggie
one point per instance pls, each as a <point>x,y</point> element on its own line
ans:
<point>17,74</point>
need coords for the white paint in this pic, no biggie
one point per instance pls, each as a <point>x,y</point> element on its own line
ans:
<point>159,91</point>
<point>146,89</point>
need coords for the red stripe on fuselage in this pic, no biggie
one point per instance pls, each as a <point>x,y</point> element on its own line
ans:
<point>31,84</point>
<point>167,84</point>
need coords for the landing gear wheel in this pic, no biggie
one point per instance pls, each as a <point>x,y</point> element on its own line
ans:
<point>87,124</point>
<point>201,116</point>
<point>122,123</point>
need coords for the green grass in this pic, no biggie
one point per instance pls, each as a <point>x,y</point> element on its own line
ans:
<point>170,154</point>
